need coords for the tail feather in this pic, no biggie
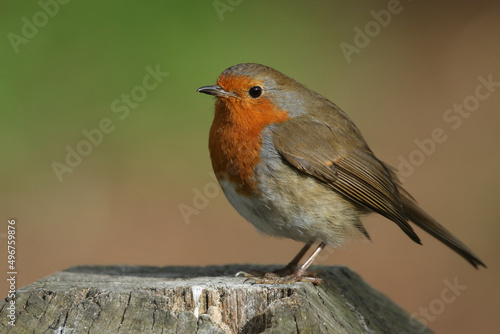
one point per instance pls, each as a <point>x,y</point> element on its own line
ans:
<point>431,226</point>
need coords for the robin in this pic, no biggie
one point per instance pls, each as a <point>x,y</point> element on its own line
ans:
<point>293,164</point>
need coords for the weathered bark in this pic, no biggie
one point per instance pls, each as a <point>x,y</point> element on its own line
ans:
<point>125,299</point>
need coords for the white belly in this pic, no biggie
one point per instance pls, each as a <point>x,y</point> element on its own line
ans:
<point>297,214</point>
<point>250,208</point>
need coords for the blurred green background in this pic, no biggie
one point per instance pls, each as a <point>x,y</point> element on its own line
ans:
<point>120,205</point>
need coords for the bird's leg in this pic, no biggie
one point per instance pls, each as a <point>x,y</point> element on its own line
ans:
<point>287,270</point>
<point>297,276</point>
<point>290,267</point>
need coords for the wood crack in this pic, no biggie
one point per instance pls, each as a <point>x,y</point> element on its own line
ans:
<point>125,311</point>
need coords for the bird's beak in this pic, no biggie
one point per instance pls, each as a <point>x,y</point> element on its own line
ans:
<point>215,90</point>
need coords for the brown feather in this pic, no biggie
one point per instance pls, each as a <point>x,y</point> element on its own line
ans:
<point>311,147</point>
<point>423,220</point>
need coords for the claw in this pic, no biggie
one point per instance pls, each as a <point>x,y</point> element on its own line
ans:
<point>249,274</point>
<point>250,280</point>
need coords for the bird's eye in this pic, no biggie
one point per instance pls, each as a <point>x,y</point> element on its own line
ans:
<point>255,91</point>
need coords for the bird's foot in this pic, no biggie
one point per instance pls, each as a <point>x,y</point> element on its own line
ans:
<point>288,270</point>
<point>280,276</point>
<point>272,278</point>
<point>288,274</point>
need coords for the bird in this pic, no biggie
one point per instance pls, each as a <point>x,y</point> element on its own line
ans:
<point>294,165</point>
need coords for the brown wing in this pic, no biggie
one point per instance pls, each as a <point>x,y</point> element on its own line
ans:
<point>319,150</point>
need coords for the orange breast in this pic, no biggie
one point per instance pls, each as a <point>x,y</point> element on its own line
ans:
<point>235,142</point>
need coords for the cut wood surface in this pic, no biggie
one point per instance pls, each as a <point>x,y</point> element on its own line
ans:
<point>130,299</point>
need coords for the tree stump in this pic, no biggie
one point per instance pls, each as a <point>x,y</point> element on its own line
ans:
<point>129,299</point>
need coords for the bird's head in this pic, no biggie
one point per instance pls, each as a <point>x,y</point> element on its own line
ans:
<point>256,93</point>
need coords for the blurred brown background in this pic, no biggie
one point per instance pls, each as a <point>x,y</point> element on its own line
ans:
<point>120,205</point>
